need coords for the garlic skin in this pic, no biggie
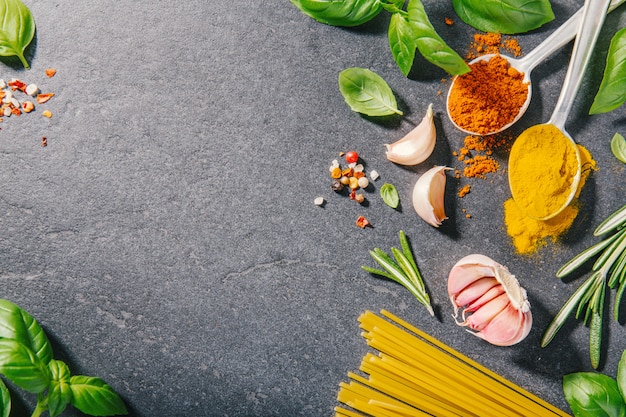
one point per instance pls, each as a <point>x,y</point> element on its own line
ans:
<point>493,304</point>
<point>428,195</point>
<point>417,145</point>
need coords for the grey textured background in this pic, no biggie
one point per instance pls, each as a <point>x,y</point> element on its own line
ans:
<point>167,240</point>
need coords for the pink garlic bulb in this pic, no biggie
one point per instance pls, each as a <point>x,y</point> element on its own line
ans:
<point>493,304</point>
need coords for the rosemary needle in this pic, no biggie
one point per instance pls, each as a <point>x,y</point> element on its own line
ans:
<point>402,269</point>
<point>609,269</point>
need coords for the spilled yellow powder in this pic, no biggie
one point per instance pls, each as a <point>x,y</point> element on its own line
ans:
<point>529,235</point>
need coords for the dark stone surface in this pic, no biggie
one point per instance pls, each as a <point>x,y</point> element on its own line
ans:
<point>167,240</point>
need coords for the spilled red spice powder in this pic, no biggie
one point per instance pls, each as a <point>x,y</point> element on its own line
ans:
<point>488,97</point>
<point>476,153</point>
<point>493,43</point>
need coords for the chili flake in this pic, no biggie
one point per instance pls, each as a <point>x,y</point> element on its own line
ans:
<point>362,222</point>
<point>42,98</point>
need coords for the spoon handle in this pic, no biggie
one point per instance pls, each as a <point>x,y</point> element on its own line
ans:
<point>559,38</point>
<point>593,15</point>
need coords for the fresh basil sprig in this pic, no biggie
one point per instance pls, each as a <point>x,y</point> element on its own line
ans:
<point>612,91</point>
<point>504,16</point>
<point>17,29</point>
<point>26,359</point>
<point>591,394</point>
<point>618,147</point>
<point>367,92</point>
<point>609,269</point>
<point>409,30</point>
<point>402,269</point>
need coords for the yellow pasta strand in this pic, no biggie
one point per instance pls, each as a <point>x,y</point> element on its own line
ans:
<point>433,363</point>
<point>475,364</point>
<point>415,374</point>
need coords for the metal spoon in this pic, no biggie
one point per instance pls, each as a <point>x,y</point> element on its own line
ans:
<point>559,38</point>
<point>594,13</point>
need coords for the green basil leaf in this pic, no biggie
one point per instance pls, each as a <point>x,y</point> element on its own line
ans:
<point>593,395</point>
<point>59,392</point>
<point>93,396</point>
<point>612,91</point>
<point>366,92</point>
<point>401,42</point>
<point>394,6</point>
<point>621,375</point>
<point>16,323</point>
<point>504,16</point>
<point>17,29</point>
<point>430,44</point>
<point>618,147</point>
<point>20,365</point>
<point>340,12</point>
<point>5,400</point>
<point>389,194</point>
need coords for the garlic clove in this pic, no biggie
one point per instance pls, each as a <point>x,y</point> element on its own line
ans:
<point>417,145</point>
<point>481,317</point>
<point>507,328</point>
<point>463,275</point>
<point>428,195</point>
<point>476,290</point>
<point>489,295</point>
<point>501,314</point>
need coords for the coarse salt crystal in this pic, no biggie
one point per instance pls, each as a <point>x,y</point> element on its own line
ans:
<point>32,89</point>
<point>319,201</point>
<point>374,175</point>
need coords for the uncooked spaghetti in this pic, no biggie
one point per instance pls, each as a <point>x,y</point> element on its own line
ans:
<point>414,374</point>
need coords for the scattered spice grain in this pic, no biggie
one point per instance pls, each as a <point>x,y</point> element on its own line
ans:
<point>493,43</point>
<point>463,191</point>
<point>362,222</point>
<point>477,154</point>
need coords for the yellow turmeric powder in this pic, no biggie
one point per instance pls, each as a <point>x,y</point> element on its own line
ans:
<point>542,166</point>
<point>529,234</point>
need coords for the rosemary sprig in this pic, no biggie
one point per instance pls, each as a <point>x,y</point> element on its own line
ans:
<point>402,269</point>
<point>609,269</point>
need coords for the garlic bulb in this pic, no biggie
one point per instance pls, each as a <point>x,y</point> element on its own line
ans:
<point>428,195</point>
<point>494,306</point>
<point>417,145</point>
